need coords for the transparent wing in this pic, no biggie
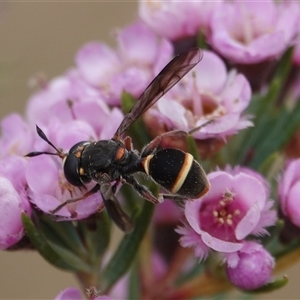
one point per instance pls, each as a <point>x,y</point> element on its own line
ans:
<point>177,68</point>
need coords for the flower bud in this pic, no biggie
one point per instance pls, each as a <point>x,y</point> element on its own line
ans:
<point>254,268</point>
<point>11,207</point>
<point>289,188</point>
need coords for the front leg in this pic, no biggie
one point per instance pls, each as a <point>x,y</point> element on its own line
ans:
<point>89,193</point>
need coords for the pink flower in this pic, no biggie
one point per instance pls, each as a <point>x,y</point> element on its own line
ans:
<point>17,137</point>
<point>289,189</point>
<point>207,93</point>
<point>66,99</point>
<point>249,32</point>
<point>14,200</point>
<point>73,293</point>
<point>71,108</point>
<point>69,294</point>
<point>253,269</point>
<point>235,207</point>
<point>139,57</point>
<point>174,19</point>
<point>11,207</point>
<point>13,168</point>
<point>48,188</point>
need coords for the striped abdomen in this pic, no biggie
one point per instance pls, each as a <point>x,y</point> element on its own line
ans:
<point>177,172</point>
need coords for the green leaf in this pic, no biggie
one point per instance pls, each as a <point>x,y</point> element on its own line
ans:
<point>125,254</point>
<point>127,102</point>
<point>102,234</point>
<point>272,286</point>
<point>71,258</point>
<point>131,201</point>
<point>42,246</point>
<point>192,147</point>
<point>66,246</point>
<point>137,130</point>
<point>284,66</point>
<point>266,110</point>
<point>201,40</point>
<point>277,132</point>
<point>96,236</point>
<point>134,288</point>
<point>64,233</point>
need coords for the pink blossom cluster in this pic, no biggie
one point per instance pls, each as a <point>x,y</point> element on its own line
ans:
<point>244,32</point>
<point>209,92</point>
<point>84,104</point>
<point>237,208</point>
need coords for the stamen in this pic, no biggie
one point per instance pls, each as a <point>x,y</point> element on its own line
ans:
<point>222,203</point>
<point>247,28</point>
<point>237,212</point>
<point>197,101</point>
<point>228,195</point>
<point>229,222</point>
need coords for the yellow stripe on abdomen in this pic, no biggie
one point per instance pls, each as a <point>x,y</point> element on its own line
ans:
<point>186,166</point>
<point>146,162</point>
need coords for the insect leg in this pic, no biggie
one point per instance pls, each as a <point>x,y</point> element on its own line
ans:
<point>114,209</point>
<point>143,191</point>
<point>154,144</point>
<point>171,197</point>
<point>89,193</point>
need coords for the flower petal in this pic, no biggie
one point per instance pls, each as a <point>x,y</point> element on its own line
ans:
<point>249,222</point>
<point>219,245</point>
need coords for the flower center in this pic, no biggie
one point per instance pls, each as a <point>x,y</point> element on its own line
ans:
<point>202,106</point>
<point>223,214</point>
<point>220,218</point>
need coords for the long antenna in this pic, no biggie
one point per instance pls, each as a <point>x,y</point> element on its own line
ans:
<point>43,136</point>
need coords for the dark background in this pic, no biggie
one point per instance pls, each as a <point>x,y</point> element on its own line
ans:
<point>43,37</point>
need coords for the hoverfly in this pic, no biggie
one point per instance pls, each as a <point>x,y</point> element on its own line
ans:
<point>111,162</point>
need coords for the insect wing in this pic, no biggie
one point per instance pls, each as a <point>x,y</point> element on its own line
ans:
<point>176,69</point>
<point>114,210</point>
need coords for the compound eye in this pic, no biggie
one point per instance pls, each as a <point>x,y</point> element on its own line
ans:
<point>71,165</point>
<point>71,170</point>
